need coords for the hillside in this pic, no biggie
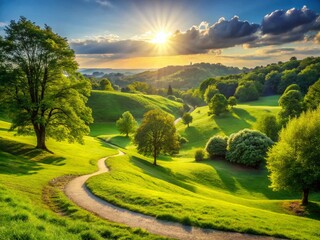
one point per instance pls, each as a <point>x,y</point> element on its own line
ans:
<point>183,77</point>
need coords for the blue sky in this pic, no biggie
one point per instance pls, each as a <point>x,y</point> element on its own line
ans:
<point>117,33</point>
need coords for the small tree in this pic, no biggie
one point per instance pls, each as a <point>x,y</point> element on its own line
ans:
<point>156,134</point>
<point>293,162</point>
<point>291,105</point>
<point>199,155</point>
<point>232,101</point>
<point>170,91</point>
<point>187,118</point>
<point>218,104</point>
<point>217,146</point>
<point>268,124</point>
<point>210,92</point>
<point>126,123</point>
<point>105,84</point>
<point>248,147</point>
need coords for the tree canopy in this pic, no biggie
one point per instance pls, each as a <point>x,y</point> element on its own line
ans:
<point>218,104</point>
<point>40,87</point>
<point>187,118</point>
<point>126,123</point>
<point>156,134</point>
<point>294,162</point>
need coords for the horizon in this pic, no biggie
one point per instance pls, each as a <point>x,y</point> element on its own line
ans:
<point>145,34</point>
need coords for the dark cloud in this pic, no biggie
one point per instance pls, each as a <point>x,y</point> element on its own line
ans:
<point>222,34</point>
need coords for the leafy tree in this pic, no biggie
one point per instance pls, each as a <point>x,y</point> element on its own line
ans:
<point>227,87</point>
<point>232,101</point>
<point>268,124</point>
<point>105,84</point>
<point>312,98</point>
<point>156,134</point>
<point>187,118</point>
<point>126,123</point>
<point>217,146</point>
<point>141,87</point>
<point>288,77</point>
<point>248,147</point>
<point>247,91</point>
<point>41,88</point>
<point>170,91</point>
<point>272,81</point>
<point>218,104</point>
<point>210,92</point>
<point>292,87</point>
<point>199,155</point>
<point>293,162</point>
<point>308,76</point>
<point>291,105</point>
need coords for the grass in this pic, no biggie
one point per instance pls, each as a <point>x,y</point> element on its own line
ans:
<point>25,174</point>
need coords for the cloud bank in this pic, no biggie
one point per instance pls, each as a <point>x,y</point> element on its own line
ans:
<point>276,28</point>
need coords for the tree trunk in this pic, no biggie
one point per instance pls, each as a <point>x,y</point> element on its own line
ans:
<point>155,157</point>
<point>41,137</point>
<point>305,196</point>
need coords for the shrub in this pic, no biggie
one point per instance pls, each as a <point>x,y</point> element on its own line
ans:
<point>248,147</point>
<point>199,155</point>
<point>217,146</point>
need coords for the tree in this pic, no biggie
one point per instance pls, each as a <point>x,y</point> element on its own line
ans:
<point>156,134</point>
<point>293,162</point>
<point>126,123</point>
<point>247,91</point>
<point>292,87</point>
<point>217,146</point>
<point>105,84</point>
<point>187,118</point>
<point>218,104</point>
<point>248,147</point>
<point>170,91</point>
<point>288,77</point>
<point>268,124</point>
<point>210,92</point>
<point>291,105</point>
<point>41,88</point>
<point>312,98</point>
<point>272,81</point>
<point>199,155</point>
<point>232,101</point>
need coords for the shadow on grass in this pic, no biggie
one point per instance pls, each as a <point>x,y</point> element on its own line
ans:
<point>121,141</point>
<point>161,173</point>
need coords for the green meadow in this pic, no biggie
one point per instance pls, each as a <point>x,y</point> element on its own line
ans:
<point>210,194</point>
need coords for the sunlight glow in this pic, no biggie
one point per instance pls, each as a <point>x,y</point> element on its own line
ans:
<point>160,38</point>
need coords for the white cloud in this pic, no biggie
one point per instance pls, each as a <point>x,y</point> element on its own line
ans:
<point>104,3</point>
<point>3,24</point>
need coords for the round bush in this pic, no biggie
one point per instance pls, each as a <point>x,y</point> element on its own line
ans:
<point>199,155</point>
<point>217,146</point>
<point>248,147</point>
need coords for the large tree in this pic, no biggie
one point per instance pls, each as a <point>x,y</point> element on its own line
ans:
<point>126,123</point>
<point>40,87</point>
<point>156,134</point>
<point>294,162</point>
<point>218,104</point>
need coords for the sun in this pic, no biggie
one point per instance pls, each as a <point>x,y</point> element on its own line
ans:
<point>161,38</point>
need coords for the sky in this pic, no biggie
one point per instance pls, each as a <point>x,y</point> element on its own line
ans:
<point>141,34</point>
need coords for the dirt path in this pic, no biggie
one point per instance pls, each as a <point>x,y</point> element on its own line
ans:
<point>79,194</point>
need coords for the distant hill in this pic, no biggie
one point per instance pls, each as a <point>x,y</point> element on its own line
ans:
<point>109,106</point>
<point>182,77</point>
<point>101,71</point>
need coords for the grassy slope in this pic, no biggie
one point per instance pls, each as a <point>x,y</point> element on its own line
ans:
<point>208,194</point>
<point>109,106</point>
<point>25,173</point>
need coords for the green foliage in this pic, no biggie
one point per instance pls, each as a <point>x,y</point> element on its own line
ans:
<point>308,76</point>
<point>126,123</point>
<point>209,93</point>
<point>247,91</point>
<point>218,104</point>
<point>232,101</point>
<point>156,134</point>
<point>268,124</point>
<point>291,105</point>
<point>272,81</point>
<point>217,146</point>
<point>248,147</point>
<point>288,77</point>
<point>170,91</point>
<point>193,97</point>
<point>105,84</point>
<point>141,87</point>
<point>42,90</point>
<point>199,155</point>
<point>312,98</point>
<point>183,140</point>
<point>293,162</point>
<point>292,87</point>
<point>187,118</point>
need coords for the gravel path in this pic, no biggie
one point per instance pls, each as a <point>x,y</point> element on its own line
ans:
<point>79,194</point>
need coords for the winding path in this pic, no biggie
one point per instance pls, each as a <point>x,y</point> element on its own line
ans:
<point>79,194</point>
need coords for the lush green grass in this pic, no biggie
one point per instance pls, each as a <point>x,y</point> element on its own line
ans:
<point>109,106</point>
<point>211,194</point>
<point>25,194</point>
<point>242,116</point>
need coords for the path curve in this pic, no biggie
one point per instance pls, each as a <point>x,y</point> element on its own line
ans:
<point>77,191</point>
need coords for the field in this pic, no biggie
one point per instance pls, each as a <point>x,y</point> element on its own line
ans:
<point>210,194</point>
